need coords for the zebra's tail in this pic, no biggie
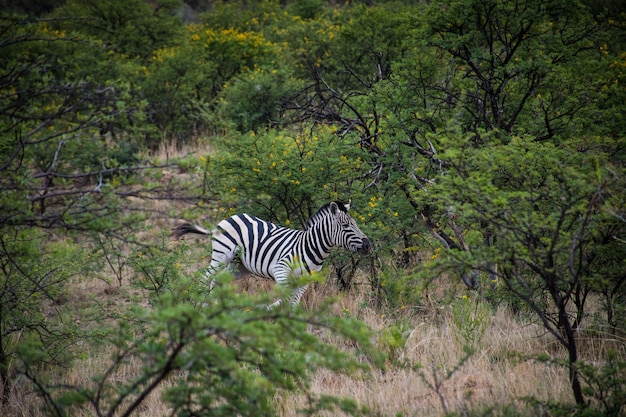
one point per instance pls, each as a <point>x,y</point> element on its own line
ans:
<point>185,228</point>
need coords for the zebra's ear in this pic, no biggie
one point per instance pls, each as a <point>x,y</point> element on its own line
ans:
<point>347,205</point>
<point>334,208</point>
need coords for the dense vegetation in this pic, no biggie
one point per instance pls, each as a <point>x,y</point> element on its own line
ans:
<point>481,140</point>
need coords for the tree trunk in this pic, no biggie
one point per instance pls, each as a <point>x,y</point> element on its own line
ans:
<point>5,385</point>
<point>572,351</point>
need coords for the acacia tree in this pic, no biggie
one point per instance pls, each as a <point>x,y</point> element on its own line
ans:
<point>58,173</point>
<point>552,223</point>
<point>31,283</point>
<point>44,121</point>
<point>525,188</point>
<point>495,67</point>
<point>458,112</point>
<point>512,67</point>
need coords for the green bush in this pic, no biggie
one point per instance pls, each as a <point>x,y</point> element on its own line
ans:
<point>284,176</point>
<point>254,99</point>
<point>227,355</point>
<point>35,330</point>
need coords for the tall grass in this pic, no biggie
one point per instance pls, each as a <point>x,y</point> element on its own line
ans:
<point>432,373</point>
<point>428,372</point>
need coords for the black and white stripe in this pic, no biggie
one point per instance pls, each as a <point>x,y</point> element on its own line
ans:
<point>277,252</point>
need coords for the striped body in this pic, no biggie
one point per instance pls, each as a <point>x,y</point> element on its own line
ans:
<point>277,252</point>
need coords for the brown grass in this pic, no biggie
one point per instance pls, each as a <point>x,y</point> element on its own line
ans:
<point>170,150</point>
<point>489,377</point>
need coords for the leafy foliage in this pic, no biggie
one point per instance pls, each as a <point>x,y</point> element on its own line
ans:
<point>544,206</point>
<point>486,136</point>
<point>254,99</point>
<point>229,356</point>
<point>285,177</point>
<point>31,290</point>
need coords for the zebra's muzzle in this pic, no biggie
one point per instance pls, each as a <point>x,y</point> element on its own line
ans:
<point>365,247</point>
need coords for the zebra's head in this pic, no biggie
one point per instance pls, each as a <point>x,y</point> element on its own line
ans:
<point>345,232</point>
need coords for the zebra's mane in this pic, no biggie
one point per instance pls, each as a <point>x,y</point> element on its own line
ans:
<point>322,212</point>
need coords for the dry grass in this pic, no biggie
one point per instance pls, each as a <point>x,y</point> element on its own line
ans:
<point>480,381</point>
<point>170,150</point>
<point>489,377</point>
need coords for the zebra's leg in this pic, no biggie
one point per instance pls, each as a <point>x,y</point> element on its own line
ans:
<point>213,269</point>
<point>219,261</point>
<point>281,275</point>
<point>297,295</point>
<point>274,304</point>
<point>294,300</point>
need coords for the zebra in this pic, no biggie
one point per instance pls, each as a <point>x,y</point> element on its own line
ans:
<point>275,252</point>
